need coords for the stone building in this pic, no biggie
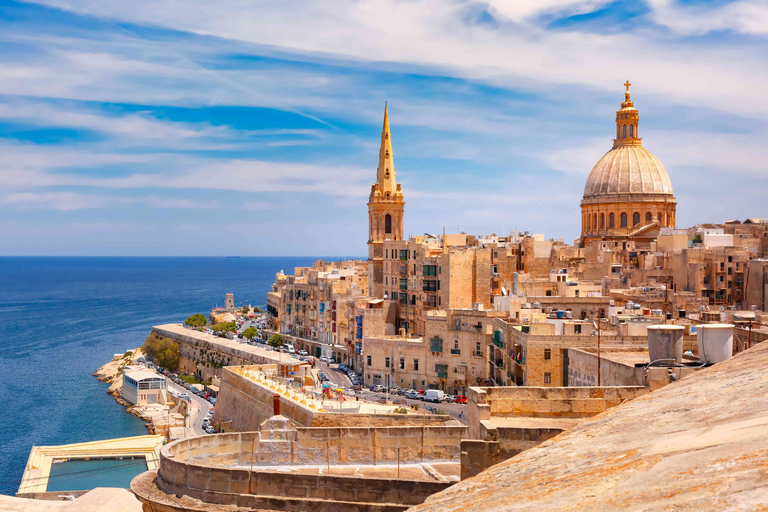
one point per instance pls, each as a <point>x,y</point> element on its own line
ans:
<point>628,193</point>
<point>385,210</point>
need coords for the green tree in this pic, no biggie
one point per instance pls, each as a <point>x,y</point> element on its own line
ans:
<point>257,310</point>
<point>224,327</point>
<point>250,333</point>
<point>245,310</point>
<point>196,320</point>
<point>276,340</point>
<point>163,351</point>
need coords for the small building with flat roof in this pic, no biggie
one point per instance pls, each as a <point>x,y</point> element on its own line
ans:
<point>142,387</point>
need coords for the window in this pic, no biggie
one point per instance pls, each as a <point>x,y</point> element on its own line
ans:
<point>414,254</point>
<point>623,220</point>
<point>576,293</point>
<point>611,223</point>
<point>402,363</point>
<point>429,285</point>
<point>594,221</point>
<point>386,362</point>
<point>659,217</point>
<point>648,217</point>
<point>625,132</point>
<point>415,365</point>
<point>388,224</point>
<point>369,360</point>
<point>394,295</point>
<point>635,219</point>
<point>547,378</point>
<point>386,280</point>
<point>547,354</point>
<point>430,270</point>
<point>577,329</point>
<point>631,130</point>
<point>403,255</point>
<point>602,221</point>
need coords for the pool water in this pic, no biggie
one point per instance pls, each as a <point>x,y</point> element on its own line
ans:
<point>84,475</point>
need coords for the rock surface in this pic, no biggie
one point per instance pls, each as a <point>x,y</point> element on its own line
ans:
<point>698,444</point>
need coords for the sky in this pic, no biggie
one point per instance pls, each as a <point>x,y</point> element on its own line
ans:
<point>252,128</point>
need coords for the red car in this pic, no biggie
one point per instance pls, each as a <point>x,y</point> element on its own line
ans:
<point>461,399</point>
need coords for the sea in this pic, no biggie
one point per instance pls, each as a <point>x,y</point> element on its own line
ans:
<point>62,318</point>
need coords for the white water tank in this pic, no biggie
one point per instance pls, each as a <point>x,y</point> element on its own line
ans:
<point>665,342</point>
<point>715,342</point>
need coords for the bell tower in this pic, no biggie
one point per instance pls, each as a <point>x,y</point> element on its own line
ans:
<point>385,211</point>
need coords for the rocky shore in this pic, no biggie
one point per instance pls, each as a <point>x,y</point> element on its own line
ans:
<point>112,373</point>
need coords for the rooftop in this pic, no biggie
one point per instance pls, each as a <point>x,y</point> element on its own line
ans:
<point>697,444</point>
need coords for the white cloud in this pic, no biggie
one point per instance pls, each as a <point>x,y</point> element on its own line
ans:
<point>435,34</point>
<point>747,16</point>
<point>62,201</point>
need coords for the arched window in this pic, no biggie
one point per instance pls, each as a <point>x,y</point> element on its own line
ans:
<point>648,217</point>
<point>631,130</point>
<point>612,222</point>
<point>623,220</point>
<point>635,219</point>
<point>618,132</point>
<point>602,221</point>
<point>388,224</point>
<point>625,131</point>
<point>594,221</point>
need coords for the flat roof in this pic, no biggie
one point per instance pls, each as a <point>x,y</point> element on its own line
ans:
<point>140,375</point>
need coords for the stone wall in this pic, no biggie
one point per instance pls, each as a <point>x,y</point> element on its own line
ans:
<point>214,469</point>
<point>207,354</point>
<point>582,371</point>
<point>243,405</point>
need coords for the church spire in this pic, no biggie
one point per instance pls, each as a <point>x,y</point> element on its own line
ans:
<point>626,122</point>
<point>385,174</point>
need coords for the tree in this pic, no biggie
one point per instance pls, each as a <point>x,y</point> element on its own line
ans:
<point>224,327</point>
<point>276,340</point>
<point>250,333</point>
<point>245,310</point>
<point>163,351</point>
<point>196,320</point>
<point>257,310</point>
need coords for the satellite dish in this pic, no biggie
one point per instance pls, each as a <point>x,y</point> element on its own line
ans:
<point>503,291</point>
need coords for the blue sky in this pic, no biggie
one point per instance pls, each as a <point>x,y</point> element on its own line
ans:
<point>170,127</point>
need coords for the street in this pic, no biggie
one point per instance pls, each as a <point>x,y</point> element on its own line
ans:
<point>340,379</point>
<point>198,410</point>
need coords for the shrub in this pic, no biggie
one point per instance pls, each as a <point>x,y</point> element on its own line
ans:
<point>250,333</point>
<point>224,327</point>
<point>163,351</point>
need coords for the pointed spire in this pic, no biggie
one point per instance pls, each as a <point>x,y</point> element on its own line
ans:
<point>385,174</point>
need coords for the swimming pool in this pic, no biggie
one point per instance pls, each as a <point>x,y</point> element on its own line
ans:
<point>84,475</point>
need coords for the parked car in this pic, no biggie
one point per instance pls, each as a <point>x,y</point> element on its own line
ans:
<point>412,394</point>
<point>379,388</point>
<point>434,395</point>
<point>450,398</point>
<point>461,399</point>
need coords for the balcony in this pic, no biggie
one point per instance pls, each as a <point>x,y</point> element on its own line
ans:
<point>477,353</point>
<point>442,375</point>
<point>455,351</point>
<point>498,343</point>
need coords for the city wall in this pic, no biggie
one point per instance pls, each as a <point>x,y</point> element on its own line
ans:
<point>504,421</point>
<point>217,469</point>
<point>582,371</point>
<point>206,355</point>
<point>244,404</point>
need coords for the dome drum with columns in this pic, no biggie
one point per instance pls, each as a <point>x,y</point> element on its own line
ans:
<point>628,191</point>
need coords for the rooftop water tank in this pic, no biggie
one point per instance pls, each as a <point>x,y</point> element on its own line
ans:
<point>536,305</point>
<point>665,342</point>
<point>560,313</point>
<point>715,342</point>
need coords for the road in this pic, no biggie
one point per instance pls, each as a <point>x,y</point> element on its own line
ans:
<point>198,411</point>
<point>340,379</point>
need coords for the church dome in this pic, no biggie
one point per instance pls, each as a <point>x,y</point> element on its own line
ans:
<point>627,169</point>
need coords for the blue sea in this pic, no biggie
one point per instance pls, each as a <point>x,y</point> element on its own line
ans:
<point>62,318</point>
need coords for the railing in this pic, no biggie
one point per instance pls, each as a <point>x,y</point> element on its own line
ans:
<point>477,353</point>
<point>456,351</point>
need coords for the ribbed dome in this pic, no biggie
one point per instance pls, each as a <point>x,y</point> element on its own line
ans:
<point>627,169</point>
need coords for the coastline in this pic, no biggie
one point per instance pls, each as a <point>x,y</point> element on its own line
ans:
<point>112,373</point>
